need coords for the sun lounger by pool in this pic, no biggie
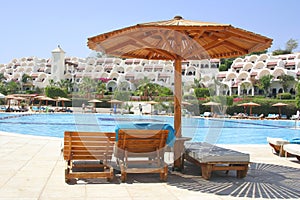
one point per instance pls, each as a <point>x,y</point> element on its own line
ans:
<point>87,155</point>
<point>142,151</point>
<point>213,158</point>
<point>292,149</point>
<point>277,144</point>
<point>272,116</point>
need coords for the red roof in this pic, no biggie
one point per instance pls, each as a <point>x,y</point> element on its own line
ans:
<point>272,63</point>
<point>290,64</point>
<point>238,66</point>
<point>221,76</point>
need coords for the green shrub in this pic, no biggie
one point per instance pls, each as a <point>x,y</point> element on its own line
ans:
<point>284,96</point>
<point>202,92</point>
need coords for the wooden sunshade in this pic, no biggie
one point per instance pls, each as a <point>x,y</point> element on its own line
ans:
<point>179,39</point>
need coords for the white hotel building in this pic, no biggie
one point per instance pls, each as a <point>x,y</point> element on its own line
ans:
<point>116,70</point>
<point>243,72</point>
<point>237,80</point>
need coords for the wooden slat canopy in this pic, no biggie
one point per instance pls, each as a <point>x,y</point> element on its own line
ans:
<point>189,40</point>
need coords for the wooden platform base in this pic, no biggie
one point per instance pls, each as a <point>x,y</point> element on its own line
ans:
<point>207,168</point>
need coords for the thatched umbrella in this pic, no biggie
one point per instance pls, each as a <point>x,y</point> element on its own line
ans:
<point>62,100</point>
<point>279,105</point>
<point>211,104</point>
<point>94,101</point>
<point>151,103</point>
<point>250,105</point>
<point>179,39</point>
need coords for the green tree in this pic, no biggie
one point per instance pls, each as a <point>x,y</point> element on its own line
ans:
<point>12,87</point>
<point>101,88</point>
<point>297,99</point>
<point>291,44</point>
<point>2,77</point>
<point>87,86</point>
<point>26,80</point>
<point>264,83</point>
<point>54,92</point>
<point>202,92</point>
<point>286,80</point>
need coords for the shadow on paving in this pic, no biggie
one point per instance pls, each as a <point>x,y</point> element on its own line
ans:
<point>262,181</point>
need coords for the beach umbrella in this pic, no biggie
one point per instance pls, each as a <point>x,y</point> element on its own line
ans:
<point>94,101</point>
<point>46,99</point>
<point>151,103</point>
<point>62,100</point>
<point>250,105</point>
<point>2,96</point>
<point>8,98</point>
<point>115,101</point>
<point>279,105</point>
<point>177,40</point>
<point>211,104</point>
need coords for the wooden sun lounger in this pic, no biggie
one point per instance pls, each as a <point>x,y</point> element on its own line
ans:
<point>142,151</point>
<point>87,155</point>
<point>213,158</point>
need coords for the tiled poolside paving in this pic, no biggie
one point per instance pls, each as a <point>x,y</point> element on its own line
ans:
<point>33,168</point>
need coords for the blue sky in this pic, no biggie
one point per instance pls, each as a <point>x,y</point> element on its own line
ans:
<point>35,27</point>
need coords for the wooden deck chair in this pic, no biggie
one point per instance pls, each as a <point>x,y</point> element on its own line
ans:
<point>87,155</point>
<point>142,151</point>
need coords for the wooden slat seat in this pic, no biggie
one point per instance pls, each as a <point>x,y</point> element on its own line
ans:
<point>88,154</point>
<point>142,151</point>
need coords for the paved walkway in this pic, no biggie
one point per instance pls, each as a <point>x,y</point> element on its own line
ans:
<point>33,168</point>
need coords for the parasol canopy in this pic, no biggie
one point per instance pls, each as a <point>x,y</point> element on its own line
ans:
<point>211,104</point>
<point>62,100</point>
<point>279,105</point>
<point>178,39</point>
<point>250,105</point>
<point>94,101</point>
<point>151,103</point>
<point>115,101</point>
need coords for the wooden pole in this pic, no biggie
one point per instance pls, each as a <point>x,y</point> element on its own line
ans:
<point>177,97</point>
<point>178,145</point>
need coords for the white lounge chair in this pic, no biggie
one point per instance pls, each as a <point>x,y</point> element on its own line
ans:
<point>292,149</point>
<point>277,144</point>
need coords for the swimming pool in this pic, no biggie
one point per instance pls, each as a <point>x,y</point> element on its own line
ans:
<point>220,131</point>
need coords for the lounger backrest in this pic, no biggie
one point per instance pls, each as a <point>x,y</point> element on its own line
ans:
<point>142,141</point>
<point>88,145</point>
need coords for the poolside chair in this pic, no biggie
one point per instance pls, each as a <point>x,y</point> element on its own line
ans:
<point>142,151</point>
<point>277,145</point>
<point>213,158</point>
<point>292,150</point>
<point>88,154</point>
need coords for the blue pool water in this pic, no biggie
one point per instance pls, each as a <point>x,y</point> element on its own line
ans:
<point>221,131</point>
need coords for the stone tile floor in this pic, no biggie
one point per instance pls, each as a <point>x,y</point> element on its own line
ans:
<point>32,168</point>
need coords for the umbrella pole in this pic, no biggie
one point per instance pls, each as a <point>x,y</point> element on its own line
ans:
<point>177,97</point>
<point>179,144</point>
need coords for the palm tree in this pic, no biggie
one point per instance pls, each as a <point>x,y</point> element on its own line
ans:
<point>87,86</point>
<point>26,81</point>
<point>101,88</point>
